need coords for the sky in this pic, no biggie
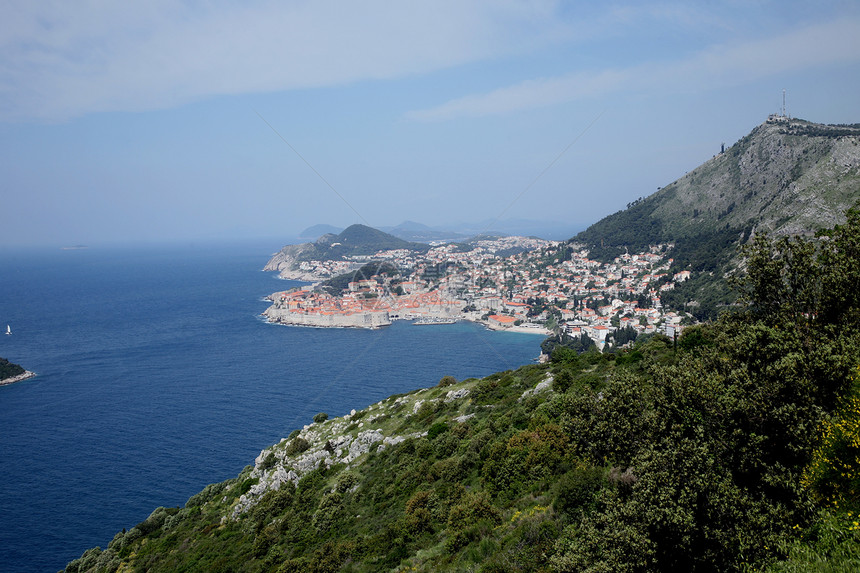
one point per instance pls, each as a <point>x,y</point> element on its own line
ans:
<point>173,121</point>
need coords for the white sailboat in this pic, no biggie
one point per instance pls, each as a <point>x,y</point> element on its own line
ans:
<point>8,329</point>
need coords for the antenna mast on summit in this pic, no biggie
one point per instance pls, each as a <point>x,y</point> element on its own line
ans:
<point>783,103</point>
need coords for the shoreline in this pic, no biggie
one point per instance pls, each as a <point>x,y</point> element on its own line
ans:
<point>543,331</point>
<point>540,330</point>
<point>26,375</point>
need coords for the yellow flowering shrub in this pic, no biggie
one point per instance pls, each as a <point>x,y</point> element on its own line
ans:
<point>833,475</point>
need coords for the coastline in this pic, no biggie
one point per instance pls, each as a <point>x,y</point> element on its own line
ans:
<point>543,331</point>
<point>26,375</point>
<point>373,321</point>
<point>297,275</point>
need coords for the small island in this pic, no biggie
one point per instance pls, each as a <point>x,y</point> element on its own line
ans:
<point>11,373</point>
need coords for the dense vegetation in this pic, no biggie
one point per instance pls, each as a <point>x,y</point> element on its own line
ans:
<point>733,449</point>
<point>8,369</point>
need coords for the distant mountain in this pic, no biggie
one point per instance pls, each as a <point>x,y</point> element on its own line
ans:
<point>550,230</point>
<point>352,241</point>
<point>412,231</point>
<point>364,240</point>
<point>316,231</point>
<point>418,232</point>
<point>788,176</point>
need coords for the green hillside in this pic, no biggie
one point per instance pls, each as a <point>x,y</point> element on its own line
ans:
<point>357,240</point>
<point>734,448</point>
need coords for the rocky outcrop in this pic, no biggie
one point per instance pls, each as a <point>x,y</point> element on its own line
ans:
<point>287,262</point>
<point>542,386</point>
<point>330,445</point>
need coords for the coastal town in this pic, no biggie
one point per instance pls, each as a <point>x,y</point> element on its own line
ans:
<point>547,287</point>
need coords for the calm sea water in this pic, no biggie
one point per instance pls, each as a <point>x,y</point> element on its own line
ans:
<point>156,376</point>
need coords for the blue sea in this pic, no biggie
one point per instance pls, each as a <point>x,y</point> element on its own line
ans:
<point>157,376</point>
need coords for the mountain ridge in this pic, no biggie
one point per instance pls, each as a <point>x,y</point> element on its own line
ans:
<point>787,176</point>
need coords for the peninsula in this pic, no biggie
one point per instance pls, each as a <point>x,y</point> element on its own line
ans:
<point>520,284</point>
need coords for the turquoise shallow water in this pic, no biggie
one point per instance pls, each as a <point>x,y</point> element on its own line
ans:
<point>156,376</point>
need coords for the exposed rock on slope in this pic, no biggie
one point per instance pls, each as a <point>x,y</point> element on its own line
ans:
<point>785,177</point>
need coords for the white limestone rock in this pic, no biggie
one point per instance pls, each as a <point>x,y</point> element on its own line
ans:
<point>542,386</point>
<point>456,394</point>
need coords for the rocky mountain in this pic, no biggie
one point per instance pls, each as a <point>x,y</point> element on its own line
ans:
<point>8,369</point>
<point>788,176</point>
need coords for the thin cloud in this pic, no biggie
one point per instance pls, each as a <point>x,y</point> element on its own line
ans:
<point>65,59</point>
<point>836,42</point>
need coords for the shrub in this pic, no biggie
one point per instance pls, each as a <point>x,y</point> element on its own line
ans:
<point>297,445</point>
<point>346,481</point>
<point>485,390</point>
<point>562,381</point>
<point>328,511</point>
<point>130,537</point>
<point>833,475</point>
<point>154,521</point>
<point>473,508</point>
<point>450,469</point>
<point>436,429</point>
<point>320,418</point>
<point>268,461</point>
<point>447,381</point>
<point>577,490</point>
<point>471,519</point>
<point>419,511</point>
<point>245,486</point>
<point>209,492</point>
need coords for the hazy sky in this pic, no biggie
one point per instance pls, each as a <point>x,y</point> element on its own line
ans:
<point>150,121</point>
